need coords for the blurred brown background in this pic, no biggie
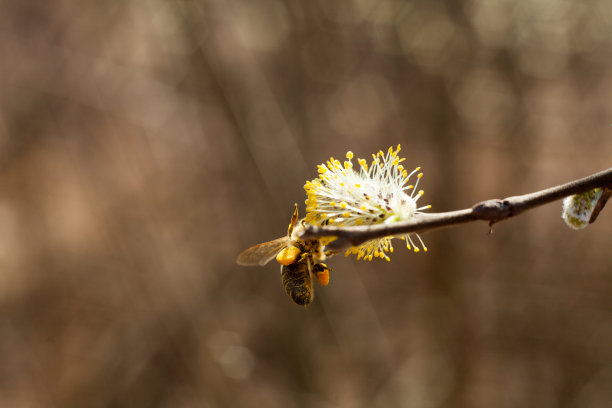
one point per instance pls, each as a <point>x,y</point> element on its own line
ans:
<point>144,144</point>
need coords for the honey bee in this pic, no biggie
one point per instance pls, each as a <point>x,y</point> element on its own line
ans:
<point>300,261</point>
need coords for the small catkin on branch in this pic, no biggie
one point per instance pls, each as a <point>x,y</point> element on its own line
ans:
<point>493,211</point>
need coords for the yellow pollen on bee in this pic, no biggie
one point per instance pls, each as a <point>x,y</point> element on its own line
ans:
<point>323,277</point>
<point>288,255</point>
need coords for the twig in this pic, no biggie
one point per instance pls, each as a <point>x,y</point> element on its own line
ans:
<point>493,211</point>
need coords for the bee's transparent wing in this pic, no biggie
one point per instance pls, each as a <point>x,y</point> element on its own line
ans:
<point>263,253</point>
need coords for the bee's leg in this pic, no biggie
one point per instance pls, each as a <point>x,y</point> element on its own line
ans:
<point>289,255</point>
<point>321,271</point>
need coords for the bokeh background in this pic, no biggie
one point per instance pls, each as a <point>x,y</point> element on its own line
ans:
<point>145,143</point>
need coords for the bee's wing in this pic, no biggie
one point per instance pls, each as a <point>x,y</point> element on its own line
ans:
<point>263,253</point>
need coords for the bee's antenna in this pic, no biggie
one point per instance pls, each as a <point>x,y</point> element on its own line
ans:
<point>294,219</point>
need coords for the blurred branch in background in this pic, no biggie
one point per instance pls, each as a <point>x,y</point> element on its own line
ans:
<point>144,143</point>
<point>493,211</point>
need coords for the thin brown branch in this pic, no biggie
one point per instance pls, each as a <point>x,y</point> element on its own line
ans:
<point>493,211</point>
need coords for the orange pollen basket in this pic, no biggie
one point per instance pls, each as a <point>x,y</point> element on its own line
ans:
<point>288,255</point>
